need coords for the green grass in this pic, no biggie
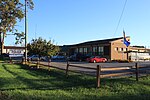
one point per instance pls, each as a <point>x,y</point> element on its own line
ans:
<point>19,82</point>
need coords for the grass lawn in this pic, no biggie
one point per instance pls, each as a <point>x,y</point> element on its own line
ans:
<point>19,82</point>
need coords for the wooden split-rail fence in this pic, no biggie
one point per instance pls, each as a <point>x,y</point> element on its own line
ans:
<point>100,71</point>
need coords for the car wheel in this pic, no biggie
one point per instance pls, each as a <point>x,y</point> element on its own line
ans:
<point>94,61</point>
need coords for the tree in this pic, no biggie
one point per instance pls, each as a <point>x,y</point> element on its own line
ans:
<point>42,47</point>
<point>12,11</point>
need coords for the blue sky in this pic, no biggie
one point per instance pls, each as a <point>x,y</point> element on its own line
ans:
<point>75,21</point>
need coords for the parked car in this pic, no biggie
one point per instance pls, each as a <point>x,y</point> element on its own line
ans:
<point>95,59</point>
<point>5,55</point>
<point>44,58</point>
<point>58,57</point>
<point>33,57</point>
<point>78,57</point>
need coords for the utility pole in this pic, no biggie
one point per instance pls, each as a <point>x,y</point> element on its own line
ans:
<point>1,42</point>
<point>25,31</point>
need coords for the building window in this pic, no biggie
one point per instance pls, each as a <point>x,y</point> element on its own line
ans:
<point>120,49</point>
<point>85,50</point>
<point>116,49</point>
<point>94,49</point>
<point>76,50</point>
<point>125,49</point>
<point>101,50</point>
<point>80,50</point>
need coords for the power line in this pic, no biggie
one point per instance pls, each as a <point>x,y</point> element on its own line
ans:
<point>121,16</point>
<point>35,30</point>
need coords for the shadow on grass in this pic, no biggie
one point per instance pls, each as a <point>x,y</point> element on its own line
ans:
<point>43,79</point>
<point>24,78</point>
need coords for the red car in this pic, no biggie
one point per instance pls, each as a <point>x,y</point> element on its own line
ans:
<point>95,59</point>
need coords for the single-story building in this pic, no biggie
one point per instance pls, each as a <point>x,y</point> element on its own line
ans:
<point>112,49</point>
<point>139,53</point>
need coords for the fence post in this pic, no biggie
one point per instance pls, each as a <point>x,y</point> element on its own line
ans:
<point>137,71</point>
<point>10,60</point>
<point>29,62</point>
<point>38,63</point>
<point>22,60</point>
<point>98,76</point>
<point>67,67</point>
<point>49,64</point>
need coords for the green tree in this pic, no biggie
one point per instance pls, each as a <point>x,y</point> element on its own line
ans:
<point>12,11</point>
<point>42,47</point>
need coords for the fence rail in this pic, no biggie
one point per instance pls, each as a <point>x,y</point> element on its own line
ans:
<point>82,67</point>
<point>100,71</point>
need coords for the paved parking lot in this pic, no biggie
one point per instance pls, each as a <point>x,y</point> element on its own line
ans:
<point>93,65</point>
<point>62,65</point>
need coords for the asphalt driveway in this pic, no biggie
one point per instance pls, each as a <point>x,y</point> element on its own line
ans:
<point>93,66</point>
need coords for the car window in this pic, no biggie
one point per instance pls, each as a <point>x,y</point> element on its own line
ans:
<point>99,57</point>
<point>92,57</point>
